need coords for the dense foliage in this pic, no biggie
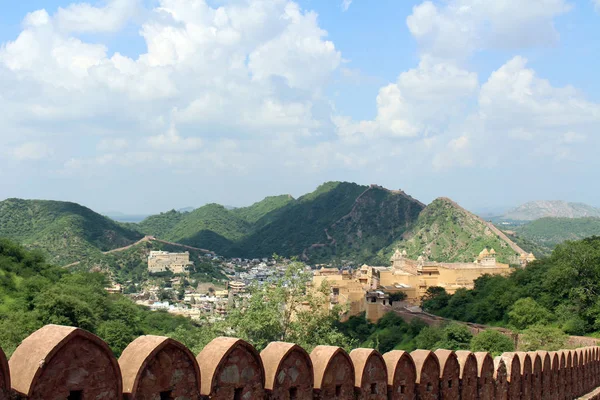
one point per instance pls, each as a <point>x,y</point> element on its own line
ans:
<point>34,293</point>
<point>337,220</point>
<point>131,265</point>
<point>259,210</point>
<point>393,333</point>
<point>549,232</point>
<point>65,232</point>
<point>561,291</point>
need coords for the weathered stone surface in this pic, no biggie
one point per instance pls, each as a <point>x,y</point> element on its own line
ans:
<point>288,372</point>
<point>468,374</point>
<point>333,372</point>
<point>485,376</point>
<point>63,360</point>
<point>370,374</point>
<point>536,375</point>
<point>548,373</point>
<point>402,375</point>
<point>575,374</point>
<point>526,375</point>
<point>155,365</point>
<point>513,375</point>
<point>231,369</point>
<point>428,374</point>
<point>4,377</point>
<point>450,374</point>
<point>558,360</point>
<point>501,379</point>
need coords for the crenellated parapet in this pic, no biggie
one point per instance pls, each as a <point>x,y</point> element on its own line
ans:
<point>66,363</point>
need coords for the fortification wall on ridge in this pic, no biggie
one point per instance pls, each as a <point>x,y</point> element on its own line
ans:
<point>59,362</point>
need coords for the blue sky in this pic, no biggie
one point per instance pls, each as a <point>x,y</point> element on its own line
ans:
<point>142,106</point>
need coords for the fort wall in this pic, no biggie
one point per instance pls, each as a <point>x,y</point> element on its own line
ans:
<point>59,362</point>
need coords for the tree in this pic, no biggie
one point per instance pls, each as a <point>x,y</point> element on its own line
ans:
<point>455,337</point>
<point>492,341</point>
<point>285,310</point>
<point>435,299</point>
<point>428,338</point>
<point>397,297</point>
<point>164,295</point>
<point>527,312</point>
<point>117,334</point>
<point>541,337</point>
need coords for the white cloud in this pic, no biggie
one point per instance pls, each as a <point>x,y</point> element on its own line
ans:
<point>597,4</point>
<point>515,94</point>
<point>83,17</point>
<point>173,142</point>
<point>420,103</point>
<point>346,4</point>
<point>239,89</point>
<point>460,27</point>
<point>31,151</point>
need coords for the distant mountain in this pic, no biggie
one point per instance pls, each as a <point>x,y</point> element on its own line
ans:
<point>556,209</point>
<point>549,232</point>
<point>337,219</point>
<point>447,232</point>
<point>64,231</point>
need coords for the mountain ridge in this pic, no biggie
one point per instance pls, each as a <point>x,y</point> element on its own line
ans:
<point>447,232</point>
<point>533,210</point>
<point>336,221</point>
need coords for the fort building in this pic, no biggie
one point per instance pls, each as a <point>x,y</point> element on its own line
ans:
<point>162,261</point>
<point>356,289</point>
<point>414,277</point>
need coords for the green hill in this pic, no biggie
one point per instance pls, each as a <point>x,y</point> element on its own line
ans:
<point>131,264</point>
<point>63,231</point>
<point>446,232</point>
<point>257,211</point>
<point>34,293</point>
<point>338,219</point>
<point>549,232</point>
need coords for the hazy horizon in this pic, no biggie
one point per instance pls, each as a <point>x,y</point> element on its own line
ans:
<point>142,106</point>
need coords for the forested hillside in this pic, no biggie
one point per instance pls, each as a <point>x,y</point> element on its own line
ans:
<point>552,231</point>
<point>562,291</point>
<point>65,232</point>
<point>131,265</point>
<point>446,232</point>
<point>338,219</point>
<point>34,293</point>
<point>267,206</point>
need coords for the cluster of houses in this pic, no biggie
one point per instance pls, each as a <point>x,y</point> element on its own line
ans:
<point>206,301</point>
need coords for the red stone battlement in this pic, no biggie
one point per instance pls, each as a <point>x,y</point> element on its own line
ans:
<point>60,362</point>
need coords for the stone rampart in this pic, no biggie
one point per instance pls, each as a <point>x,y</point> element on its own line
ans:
<point>66,363</point>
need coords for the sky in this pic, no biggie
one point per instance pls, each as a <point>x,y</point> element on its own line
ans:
<point>141,106</point>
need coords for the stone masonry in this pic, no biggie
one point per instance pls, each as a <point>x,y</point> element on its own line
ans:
<point>66,363</point>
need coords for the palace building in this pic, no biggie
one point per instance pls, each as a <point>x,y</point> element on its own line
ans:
<point>162,261</point>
